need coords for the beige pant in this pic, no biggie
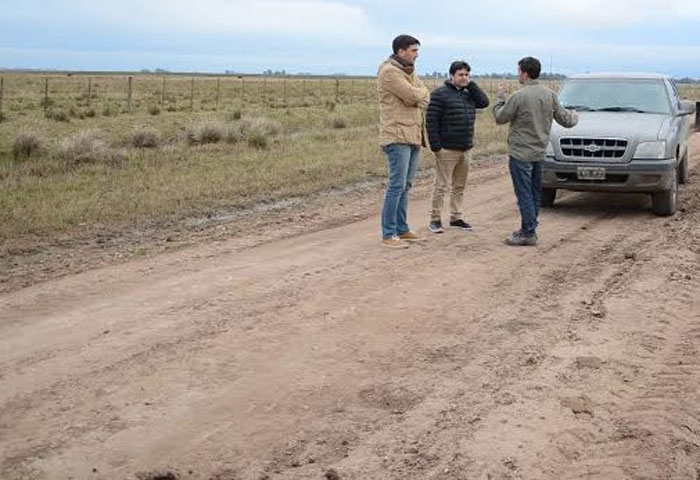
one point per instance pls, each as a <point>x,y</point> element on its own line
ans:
<point>451,169</point>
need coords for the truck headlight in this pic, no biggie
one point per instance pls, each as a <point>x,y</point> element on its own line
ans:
<point>651,150</point>
<point>550,150</point>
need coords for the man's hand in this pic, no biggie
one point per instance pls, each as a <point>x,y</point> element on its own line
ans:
<point>574,115</point>
<point>501,93</point>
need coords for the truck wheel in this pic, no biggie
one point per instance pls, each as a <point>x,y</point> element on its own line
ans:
<point>547,197</point>
<point>683,171</point>
<point>666,203</point>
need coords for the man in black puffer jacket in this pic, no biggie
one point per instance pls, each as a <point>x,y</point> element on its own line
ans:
<point>450,123</point>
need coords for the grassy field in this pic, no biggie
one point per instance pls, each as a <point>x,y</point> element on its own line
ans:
<point>67,162</point>
<point>80,150</point>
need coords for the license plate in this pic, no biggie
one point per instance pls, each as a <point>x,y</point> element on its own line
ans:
<point>590,173</point>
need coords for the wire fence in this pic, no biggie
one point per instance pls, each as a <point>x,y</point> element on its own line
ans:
<point>138,93</point>
<point>109,93</point>
<point>129,94</point>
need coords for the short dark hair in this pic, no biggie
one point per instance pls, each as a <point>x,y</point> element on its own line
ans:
<point>531,66</point>
<point>402,42</point>
<point>459,65</point>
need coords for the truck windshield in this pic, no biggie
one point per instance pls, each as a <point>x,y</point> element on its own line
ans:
<point>623,95</point>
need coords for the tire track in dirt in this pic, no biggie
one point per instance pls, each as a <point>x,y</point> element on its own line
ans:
<point>657,418</point>
<point>583,451</point>
<point>528,355</point>
<point>79,392</point>
<point>617,251</point>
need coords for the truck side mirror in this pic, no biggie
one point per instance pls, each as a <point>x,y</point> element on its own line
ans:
<point>686,107</point>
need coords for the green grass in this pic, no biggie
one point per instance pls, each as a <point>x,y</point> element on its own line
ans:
<point>184,181</point>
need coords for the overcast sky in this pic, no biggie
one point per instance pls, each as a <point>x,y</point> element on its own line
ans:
<point>350,36</point>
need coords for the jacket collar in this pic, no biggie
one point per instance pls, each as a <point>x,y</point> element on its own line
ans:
<point>398,62</point>
<point>452,85</point>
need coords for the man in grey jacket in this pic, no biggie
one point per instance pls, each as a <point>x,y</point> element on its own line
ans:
<point>530,112</point>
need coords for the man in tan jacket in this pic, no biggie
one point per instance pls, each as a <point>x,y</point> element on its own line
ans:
<point>403,99</point>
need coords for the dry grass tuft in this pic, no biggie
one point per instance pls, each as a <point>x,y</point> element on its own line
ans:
<point>144,137</point>
<point>234,115</point>
<point>27,143</point>
<point>261,125</point>
<point>86,146</point>
<point>339,122</point>
<point>204,133</point>
<point>58,115</point>
<point>258,132</point>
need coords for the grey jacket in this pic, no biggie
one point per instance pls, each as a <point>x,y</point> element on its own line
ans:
<point>530,112</point>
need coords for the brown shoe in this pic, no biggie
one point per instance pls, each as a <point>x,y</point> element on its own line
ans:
<point>394,242</point>
<point>410,236</point>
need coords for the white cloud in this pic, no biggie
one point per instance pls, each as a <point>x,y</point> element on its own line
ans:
<point>87,59</point>
<point>524,46</point>
<point>624,13</point>
<point>497,54</point>
<point>316,18</point>
<point>317,35</point>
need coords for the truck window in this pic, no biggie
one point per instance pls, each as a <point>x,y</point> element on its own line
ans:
<point>643,95</point>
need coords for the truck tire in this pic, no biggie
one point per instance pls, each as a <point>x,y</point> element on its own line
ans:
<point>665,203</point>
<point>683,170</point>
<point>547,197</point>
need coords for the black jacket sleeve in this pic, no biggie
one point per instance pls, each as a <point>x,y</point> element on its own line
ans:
<point>436,109</point>
<point>481,100</point>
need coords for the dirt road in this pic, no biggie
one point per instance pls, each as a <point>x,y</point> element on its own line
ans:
<point>324,356</point>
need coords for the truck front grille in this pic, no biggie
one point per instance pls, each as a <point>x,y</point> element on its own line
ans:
<point>610,149</point>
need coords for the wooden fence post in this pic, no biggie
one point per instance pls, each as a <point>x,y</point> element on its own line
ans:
<point>2,91</point>
<point>264,95</point>
<point>46,95</point>
<point>284,119</point>
<point>129,92</point>
<point>337,90</point>
<point>218,89</point>
<point>192,96</point>
<point>242,91</point>
<point>162,94</point>
<point>284,94</point>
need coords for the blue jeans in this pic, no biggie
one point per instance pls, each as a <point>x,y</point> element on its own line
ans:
<point>403,162</point>
<point>527,183</point>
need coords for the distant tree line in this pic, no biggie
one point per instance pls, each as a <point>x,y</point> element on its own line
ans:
<point>687,80</point>
<point>512,76</point>
<point>271,73</point>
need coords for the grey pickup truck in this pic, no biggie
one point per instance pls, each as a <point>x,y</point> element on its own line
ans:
<point>632,136</point>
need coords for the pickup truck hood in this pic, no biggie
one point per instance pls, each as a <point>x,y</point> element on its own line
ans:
<point>627,125</point>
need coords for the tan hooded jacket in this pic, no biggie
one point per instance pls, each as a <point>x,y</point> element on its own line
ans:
<point>403,99</point>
